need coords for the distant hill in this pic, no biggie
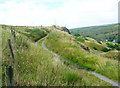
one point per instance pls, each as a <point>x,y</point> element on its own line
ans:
<point>104,32</point>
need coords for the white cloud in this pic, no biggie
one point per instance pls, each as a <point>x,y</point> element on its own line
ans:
<point>72,13</point>
<point>89,13</point>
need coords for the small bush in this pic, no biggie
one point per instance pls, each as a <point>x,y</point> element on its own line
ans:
<point>106,49</point>
<point>99,42</point>
<point>94,48</point>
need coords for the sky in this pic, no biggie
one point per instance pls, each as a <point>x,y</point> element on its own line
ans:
<point>69,13</point>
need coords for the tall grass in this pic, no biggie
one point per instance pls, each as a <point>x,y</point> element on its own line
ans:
<point>36,67</point>
<point>114,54</point>
<point>64,45</point>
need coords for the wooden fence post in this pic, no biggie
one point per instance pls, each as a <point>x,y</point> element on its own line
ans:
<point>9,71</point>
<point>11,52</point>
<point>14,36</point>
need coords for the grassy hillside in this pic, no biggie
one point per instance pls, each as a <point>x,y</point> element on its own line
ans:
<point>103,32</point>
<point>109,50</point>
<point>67,46</point>
<point>36,67</point>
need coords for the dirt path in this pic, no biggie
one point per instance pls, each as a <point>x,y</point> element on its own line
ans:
<point>90,72</point>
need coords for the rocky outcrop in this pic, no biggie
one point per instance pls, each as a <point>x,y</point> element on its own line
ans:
<point>65,29</point>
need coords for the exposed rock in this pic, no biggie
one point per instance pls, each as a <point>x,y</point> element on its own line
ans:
<point>65,29</point>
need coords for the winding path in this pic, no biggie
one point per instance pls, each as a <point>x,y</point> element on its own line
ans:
<point>90,72</point>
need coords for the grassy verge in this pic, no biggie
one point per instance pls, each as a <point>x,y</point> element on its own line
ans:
<point>64,45</point>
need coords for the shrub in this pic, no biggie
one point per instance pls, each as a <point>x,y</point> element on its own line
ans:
<point>94,48</point>
<point>106,49</point>
<point>99,42</point>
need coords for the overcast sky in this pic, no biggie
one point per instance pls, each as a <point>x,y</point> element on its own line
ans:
<point>69,13</point>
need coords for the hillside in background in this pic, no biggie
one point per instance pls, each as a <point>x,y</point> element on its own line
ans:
<point>103,32</point>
